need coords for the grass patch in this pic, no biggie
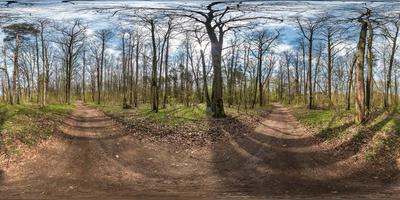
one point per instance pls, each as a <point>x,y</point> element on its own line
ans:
<point>175,114</point>
<point>28,124</point>
<point>328,123</point>
<point>386,142</point>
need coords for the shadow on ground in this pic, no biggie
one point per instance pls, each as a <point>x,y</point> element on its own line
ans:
<point>258,163</point>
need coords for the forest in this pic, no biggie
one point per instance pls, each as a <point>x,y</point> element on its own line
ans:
<point>252,97</point>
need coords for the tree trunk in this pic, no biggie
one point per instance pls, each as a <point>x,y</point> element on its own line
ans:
<point>130,60</point>
<point>329,69</point>
<point>304,72</point>
<point>310,87</point>
<point>124,101</point>
<point>217,104</point>
<point>260,84</point>
<point>166,78</point>
<point>360,94</point>
<point>154,90</point>
<point>230,78</point>
<point>16,70</point>
<point>288,79</point>
<point>10,97</point>
<point>38,70</point>
<point>205,85</point>
<point>389,73</point>
<point>395,90</point>
<point>369,86</point>
<point>135,98</point>
<point>83,77</point>
<point>296,80</point>
<point>44,63</point>
<point>350,82</point>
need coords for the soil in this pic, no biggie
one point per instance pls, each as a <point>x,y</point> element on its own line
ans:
<point>93,156</point>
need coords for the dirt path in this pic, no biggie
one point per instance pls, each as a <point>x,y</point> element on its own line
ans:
<point>93,156</point>
<point>280,157</point>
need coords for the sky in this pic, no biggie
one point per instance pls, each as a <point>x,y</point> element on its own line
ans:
<point>286,10</point>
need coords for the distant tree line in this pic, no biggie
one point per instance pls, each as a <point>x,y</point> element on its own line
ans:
<point>214,55</point>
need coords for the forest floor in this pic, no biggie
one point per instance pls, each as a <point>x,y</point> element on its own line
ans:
<point>92,155</point>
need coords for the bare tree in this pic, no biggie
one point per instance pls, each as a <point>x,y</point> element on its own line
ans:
<point>262,41</point>
<point>71,42</point>
<point>391,34</point>
<point>200,38</point>
<point>16,32</point>
<point>308,28</point>
<point>103,36</point>
<point>45,62</point>
<point>332,33</point>
<point>219,18</point>
<point>359,84</point>
<point>370,58</point>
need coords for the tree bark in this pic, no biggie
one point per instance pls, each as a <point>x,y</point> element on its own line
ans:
<point>368,83</point>
<point>260,84</point>
<point>83,76</point>
<point>44,63</point>
<point>16,70</point>
<point>124,100</point>
<point>135,98</point>
<point>217,103</point>
<point>360,93</point>
<point>166,78</point>
<point>205,85</point>
<point>154,90</point>
<point>389,73</point>
<point>38,70</point>
<point>288,78</point>
<point>7,75</point>
<point>310,87</point>
<point>350,82</point>
<point>329,46</point>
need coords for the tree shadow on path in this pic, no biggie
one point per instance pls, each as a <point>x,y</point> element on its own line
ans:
<point>259,163</point>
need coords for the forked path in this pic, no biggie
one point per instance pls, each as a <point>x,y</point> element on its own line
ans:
<point>93,156</point>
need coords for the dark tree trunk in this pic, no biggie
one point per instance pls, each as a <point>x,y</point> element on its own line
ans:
<point>389,73</point>
<point>260,84</point>
<point>329,69</point>
<point>166,78</point>
<point>124,100</point>
<point>350,82</point>
<point>135,94</point>
<point>368,83</point>
<point>154,91</point>
<point>310,87</point>
<point>217,103</point>
<point>360,89</point>
<point>205,85</point>
<point>14,96</point>
<point>38,69</point>
<point>83,77</point>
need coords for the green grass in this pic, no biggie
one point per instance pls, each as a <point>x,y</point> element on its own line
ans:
<point>386,140</point>
<point>28,124</point>
<point>328,123</point>
<point>322,118</point>
<point>175,114</point>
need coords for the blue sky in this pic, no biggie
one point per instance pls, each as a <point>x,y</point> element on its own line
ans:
<point>285,10</point>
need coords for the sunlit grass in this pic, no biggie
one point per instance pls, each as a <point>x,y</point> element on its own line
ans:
<point>175,114</point>
<point>327,123</point>
<point>386,138</point>
<point>28,123</point>
<point>322,118</point>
